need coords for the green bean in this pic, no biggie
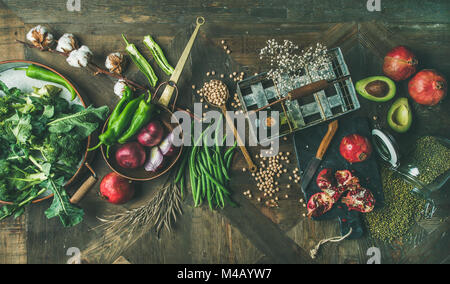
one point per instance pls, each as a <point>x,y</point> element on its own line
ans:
<point>182,166</point>
<point>229,159</point>
<point>193,183</point>
<point>182,186</point>
<point>204,186</point>
<point>213,180</point>
<point>218,168</point>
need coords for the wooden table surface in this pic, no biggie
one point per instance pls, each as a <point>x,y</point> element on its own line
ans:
<point>250,233</point>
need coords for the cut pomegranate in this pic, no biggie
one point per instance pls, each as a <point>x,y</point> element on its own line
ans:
<point>360,200</point>
<point>345,178</point>
<point>325,179</point>
<point>319,204</point>
<point>335,192</point>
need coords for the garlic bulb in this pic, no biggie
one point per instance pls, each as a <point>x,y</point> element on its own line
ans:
<point>67,43</point>
<point>119,88</point>
<point>80,57</point>
<point>115,62</point>
<point>40,37</point>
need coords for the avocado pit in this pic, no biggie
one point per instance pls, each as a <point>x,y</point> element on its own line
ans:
<point>400,116</point>
<point>378,88</point>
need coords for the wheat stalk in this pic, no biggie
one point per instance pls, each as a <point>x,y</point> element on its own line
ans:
<point>122,230</point>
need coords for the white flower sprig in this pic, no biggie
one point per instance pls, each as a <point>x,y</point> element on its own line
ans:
<point>288,61</point>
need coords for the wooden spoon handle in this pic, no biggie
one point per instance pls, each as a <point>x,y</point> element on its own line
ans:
<point>251,166</point>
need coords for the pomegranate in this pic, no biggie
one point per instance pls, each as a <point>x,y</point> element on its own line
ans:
<point>325,179</point>
<point>131,155</point>
<point>400,63</point>
<point>319,204</point>
<point>346,179</point>
<point>360,200</point>
<point>355,148</point>
<point>116,189</point>
<point>428,87</point>
<point>151,135</point>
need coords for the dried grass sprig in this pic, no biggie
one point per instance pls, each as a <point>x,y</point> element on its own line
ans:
<point>122,230</point>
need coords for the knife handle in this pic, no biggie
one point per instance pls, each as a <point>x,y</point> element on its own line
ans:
<point>326,141</point>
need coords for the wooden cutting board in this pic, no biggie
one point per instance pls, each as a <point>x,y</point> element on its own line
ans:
<point>306,143</point>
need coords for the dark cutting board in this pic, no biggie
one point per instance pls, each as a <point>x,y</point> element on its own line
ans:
<point>307,142</point>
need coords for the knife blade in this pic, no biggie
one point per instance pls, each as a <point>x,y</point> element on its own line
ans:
<point>314,164</point>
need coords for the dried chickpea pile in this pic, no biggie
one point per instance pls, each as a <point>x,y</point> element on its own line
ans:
<point>271,170</point>
<point>214,91</point>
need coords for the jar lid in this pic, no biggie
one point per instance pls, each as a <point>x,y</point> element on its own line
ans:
<point>386,146</point>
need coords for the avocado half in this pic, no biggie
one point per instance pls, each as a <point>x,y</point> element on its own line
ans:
<point>400,116</point>
<point>376,88</point>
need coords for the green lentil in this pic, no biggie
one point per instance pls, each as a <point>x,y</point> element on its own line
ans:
<point>401,208</point>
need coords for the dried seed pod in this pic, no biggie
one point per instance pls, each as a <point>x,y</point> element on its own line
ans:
<point>80,57</point>
<point>67,43</point>
<point>40,37</point>
<point>115,63</point>
<point>119,87</point>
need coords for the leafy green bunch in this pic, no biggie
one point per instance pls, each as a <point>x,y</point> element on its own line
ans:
<point>42,142</point>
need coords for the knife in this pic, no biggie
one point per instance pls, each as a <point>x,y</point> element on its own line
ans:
<point>314,164</point>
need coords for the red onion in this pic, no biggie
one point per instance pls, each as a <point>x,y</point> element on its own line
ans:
<point>131,155</point>
<point>167,148</point>
<point>151,134</point>
<point>155,161</point>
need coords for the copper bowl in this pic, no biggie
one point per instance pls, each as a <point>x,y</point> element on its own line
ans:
<point>24,63</point>
<point>140,174</point>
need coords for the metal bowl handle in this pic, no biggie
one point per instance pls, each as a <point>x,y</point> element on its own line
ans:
<point>85,187</point>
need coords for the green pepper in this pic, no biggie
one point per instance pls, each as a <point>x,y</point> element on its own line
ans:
<point>127,96</point>
<point>43,74</point>
<point>158,55</point>
<point>112,134</point>
<point>142,116</point>
<point>141,62</point>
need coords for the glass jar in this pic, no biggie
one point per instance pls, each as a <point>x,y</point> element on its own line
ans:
<point>426,168</point>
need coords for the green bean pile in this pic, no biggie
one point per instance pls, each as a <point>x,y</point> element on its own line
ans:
<point>209,173</point>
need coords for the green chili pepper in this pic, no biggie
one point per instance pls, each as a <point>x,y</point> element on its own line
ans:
<point>127,96</point>
<point>141,62</point>
<point>158,55</point>
<point>43,74</point>
<point>112,134</point>
<point>142,116</point>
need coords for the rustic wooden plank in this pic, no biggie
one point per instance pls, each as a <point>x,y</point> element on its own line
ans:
<point>13,241</point>
<point>13,238</point>
<point>254,11</point>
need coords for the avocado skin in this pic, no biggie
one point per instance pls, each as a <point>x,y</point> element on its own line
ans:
<point>361,88</point>
<point>390,116</point>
